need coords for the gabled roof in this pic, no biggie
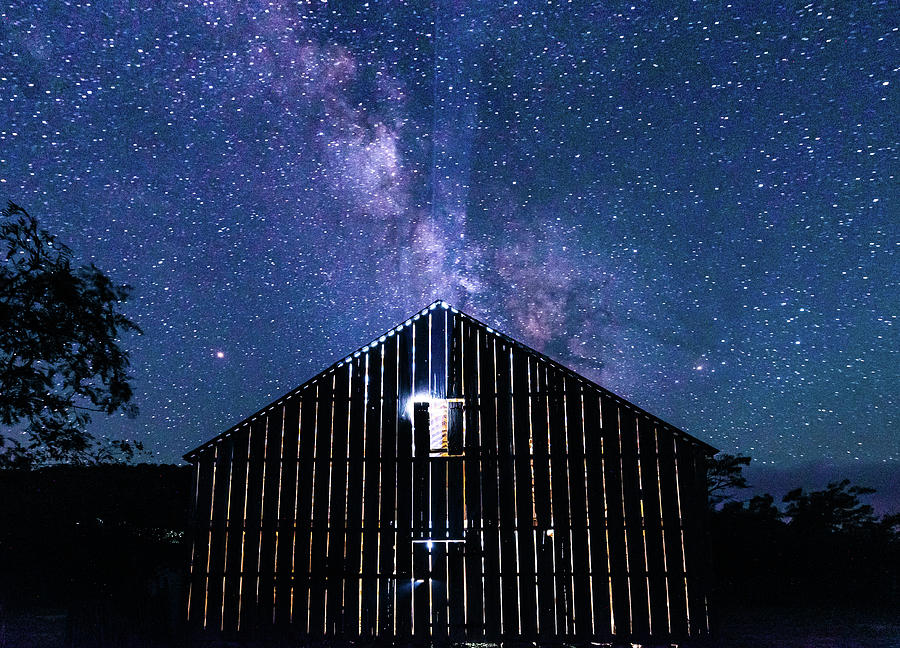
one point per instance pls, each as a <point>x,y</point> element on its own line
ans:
<point>189,456</point>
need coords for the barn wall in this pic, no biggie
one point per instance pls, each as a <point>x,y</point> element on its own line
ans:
<point>560,510</point>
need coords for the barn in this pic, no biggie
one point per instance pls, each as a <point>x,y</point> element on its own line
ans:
<point>447,483</point>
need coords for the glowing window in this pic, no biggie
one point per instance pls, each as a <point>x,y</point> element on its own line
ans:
<point>438,423</point>
<point>438,414</point>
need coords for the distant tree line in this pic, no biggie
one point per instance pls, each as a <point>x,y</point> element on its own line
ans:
<point>823,547</point>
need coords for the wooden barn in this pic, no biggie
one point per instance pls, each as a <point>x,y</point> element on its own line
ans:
<point>447,483</point>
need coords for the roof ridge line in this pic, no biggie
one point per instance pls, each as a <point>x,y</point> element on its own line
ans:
<point>409,321</point>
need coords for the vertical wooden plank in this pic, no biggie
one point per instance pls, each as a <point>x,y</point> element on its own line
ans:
<point>439,352</point>
<point>202,531</point>
<point>421,441</point>
<point>600,583</point>
<point>307,459</point>
<point>671,518</point>
<point>546,579</point>
<point>287,503</point>
<point>472,483</point>
<point>559,493</point>
<point>439,550</point>
<point>387,560</point>
<point>318,557</point>
<point>191,535</point>
<point>439,627</point>
<point>456,340</point>
<point>662,581</point>
<point>421,331</point>
<point>404,605</point>
<point>269,515</point>
<point>438,575</point>
<point>334,588</point>
<point>234,542</point>
<point>684,462</point>
<point>524,522</point>
<point>438,357</point>
<point>353,534</point>
<point>372,486</point>
<point>213,607</point>
<point>640,612</point>
<point>421,608</point>
<point>578,507</point>
<point>493,614</point>
<point>420,494</point>
<point>438,497</point>
<point>456,591</point>
<point>659,623</point>
<point>701,543</point>
<point>248,590</point>
<point>509,569</point>
<point>615,507</point>
<point>456,594</point>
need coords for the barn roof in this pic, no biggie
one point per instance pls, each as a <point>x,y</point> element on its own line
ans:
<point>192,455</point>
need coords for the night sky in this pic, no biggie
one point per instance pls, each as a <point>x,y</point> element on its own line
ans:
<point>693,204</point>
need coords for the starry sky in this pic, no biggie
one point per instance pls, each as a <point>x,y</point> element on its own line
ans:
<point>694,204</point>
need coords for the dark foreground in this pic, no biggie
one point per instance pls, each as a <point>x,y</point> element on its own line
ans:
<point>806,628</point>
<point>746,628</point>
<point>96,557</point>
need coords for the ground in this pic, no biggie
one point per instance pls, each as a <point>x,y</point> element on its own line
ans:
<point>809,628</point>
<point>739,628</point>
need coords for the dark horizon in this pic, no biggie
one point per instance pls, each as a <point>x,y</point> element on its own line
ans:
<point>884,477</point>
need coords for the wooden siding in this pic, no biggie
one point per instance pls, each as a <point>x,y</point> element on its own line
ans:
<point>557,509</point>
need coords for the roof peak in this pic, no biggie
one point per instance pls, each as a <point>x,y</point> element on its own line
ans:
<point>440,302</point>
<point>442,305</point>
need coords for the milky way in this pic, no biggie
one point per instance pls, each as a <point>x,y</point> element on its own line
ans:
<point>693,204</point>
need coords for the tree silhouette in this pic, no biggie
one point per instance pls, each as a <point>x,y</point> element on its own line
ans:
<point>60,359</point>
<point>820,547</point>
<point>724,474</point>
<point>837,508</point>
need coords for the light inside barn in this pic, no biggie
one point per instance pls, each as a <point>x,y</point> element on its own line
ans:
<point>438,411</point>
<point>437,429</point>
